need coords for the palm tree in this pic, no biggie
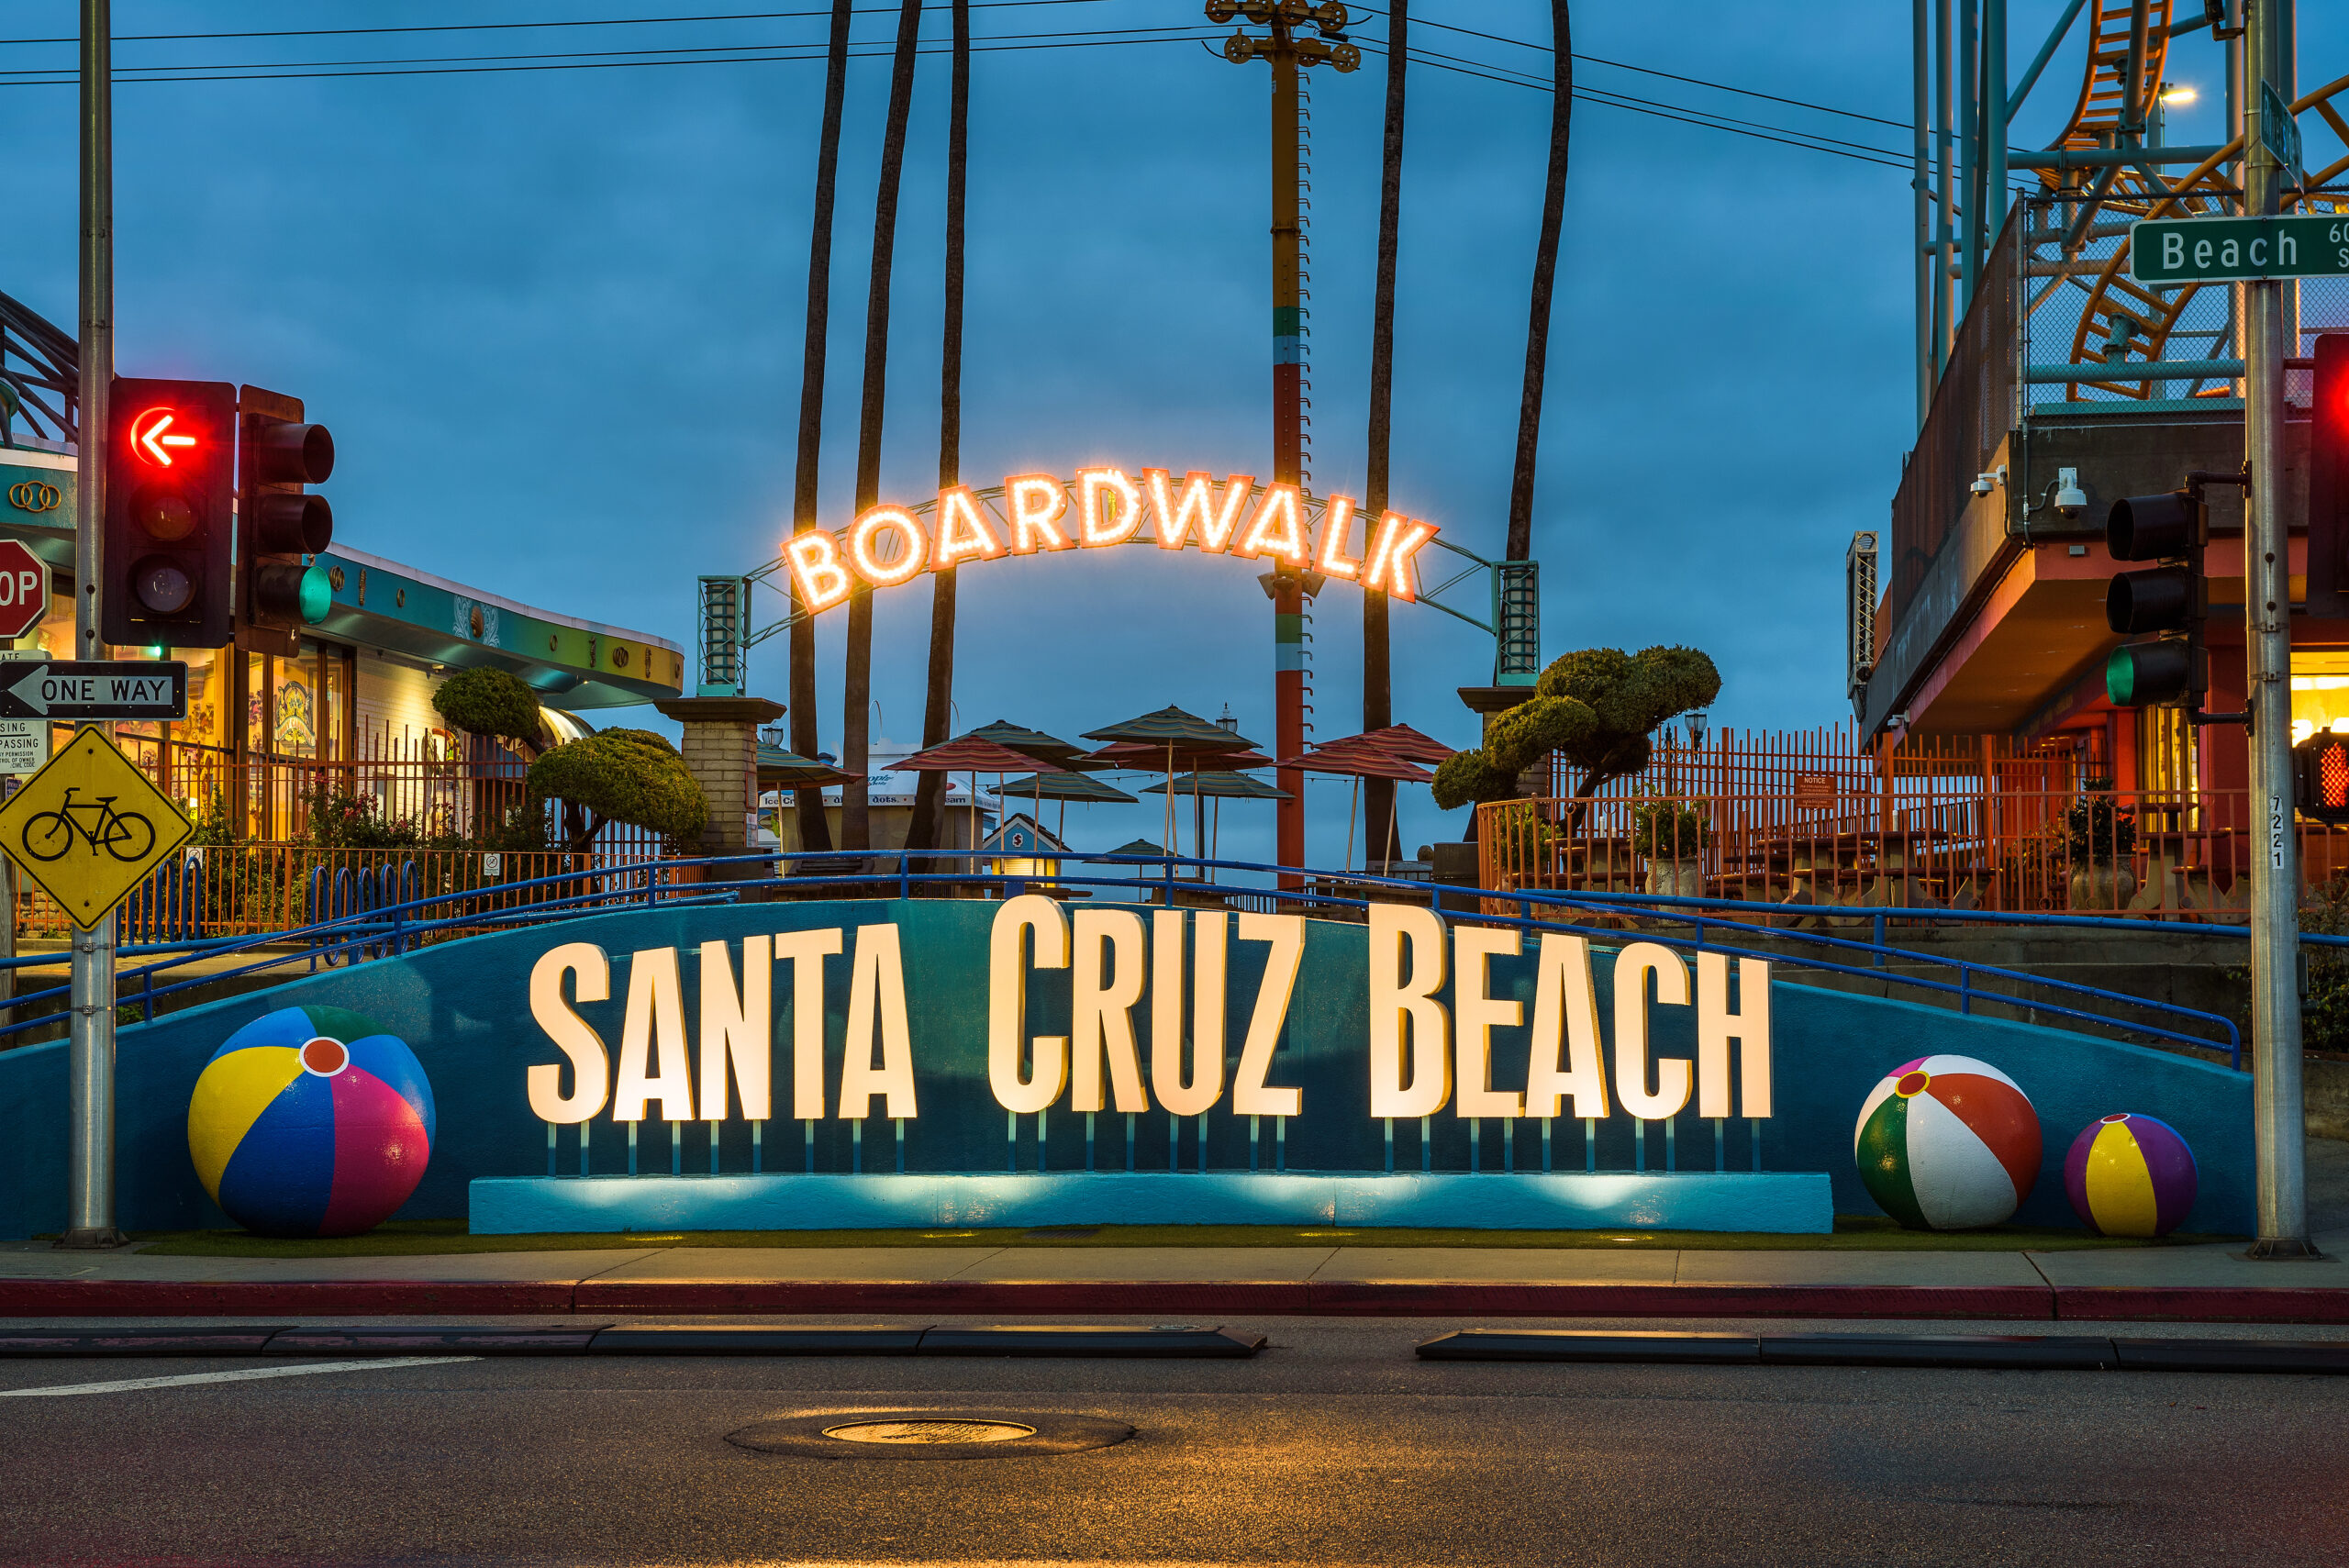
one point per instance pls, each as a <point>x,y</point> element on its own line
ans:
<point>1377,687</point>
<point>930,796</point>
<point>858,665</point>
<point>1545,274</point>
<point>814,834</point>
<point>856,696</point>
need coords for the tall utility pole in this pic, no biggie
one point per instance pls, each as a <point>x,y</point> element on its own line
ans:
<point>2277,1129</point>
<point>1289,54</point>
<point>90,1051</point>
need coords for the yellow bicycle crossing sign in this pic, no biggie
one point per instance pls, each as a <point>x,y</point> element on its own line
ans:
<point>89,828</point>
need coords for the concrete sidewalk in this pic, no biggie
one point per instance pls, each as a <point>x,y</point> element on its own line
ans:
<point>2174,1283</point>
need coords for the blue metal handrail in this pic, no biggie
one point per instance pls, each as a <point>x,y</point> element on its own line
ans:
<point>392,928</point>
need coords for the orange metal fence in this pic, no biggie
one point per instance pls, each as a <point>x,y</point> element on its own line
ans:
<point>1950,822</point>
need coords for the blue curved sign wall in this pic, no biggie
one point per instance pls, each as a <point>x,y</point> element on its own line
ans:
<point>909,993</point>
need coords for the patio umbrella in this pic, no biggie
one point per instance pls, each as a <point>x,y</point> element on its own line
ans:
<point>1396,741</point>
<point>971,755</point>
<point>1220,786</point>
<point>1402,740</point>
<point>1358,758</point>
<point>1065,788</point>
<point>779,769</point>
<point>1033,743</point>
<point>1171,730</point>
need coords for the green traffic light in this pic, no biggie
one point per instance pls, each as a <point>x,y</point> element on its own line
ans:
<point>2142,675</point>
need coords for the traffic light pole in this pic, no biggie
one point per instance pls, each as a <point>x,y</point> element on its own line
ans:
<point>90,1060</point>
<point>2279,1135</point>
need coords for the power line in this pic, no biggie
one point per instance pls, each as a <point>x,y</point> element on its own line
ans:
<point>730,54</point>
<point>501,26</point>
<point>891,10</point>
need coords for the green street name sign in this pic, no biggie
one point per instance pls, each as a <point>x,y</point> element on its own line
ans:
<point>2225,250</point>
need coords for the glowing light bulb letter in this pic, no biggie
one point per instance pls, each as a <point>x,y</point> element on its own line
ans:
<point>863,541</point>
<point>815,569</point>
<point>1390,555</point>
<point>1196,505</point>
<point>1098,524</point>
<point>1337,522</point>
<point>963,530</point>
<point>1036,502</point>
<point>1278,529</point>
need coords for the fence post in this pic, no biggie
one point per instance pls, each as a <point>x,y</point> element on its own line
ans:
<point>651,885</point>
<point>1879,940</point>
<point>904,876</point>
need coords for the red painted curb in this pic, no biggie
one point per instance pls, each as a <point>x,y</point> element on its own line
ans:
<point>187,1298</point>
<point>948,1297</point>
<point>2204,1303</point>
<point>1454,1300</point>
<point>1165,1298</point>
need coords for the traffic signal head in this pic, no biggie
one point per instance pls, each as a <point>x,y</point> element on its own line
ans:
<point>281,527</point>
<point>2321,771</point>
<point>168,527</point>
<point>2328,520</point>
<point>2166,600</point>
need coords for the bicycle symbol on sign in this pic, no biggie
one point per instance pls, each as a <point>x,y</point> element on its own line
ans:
<point>124,835</point>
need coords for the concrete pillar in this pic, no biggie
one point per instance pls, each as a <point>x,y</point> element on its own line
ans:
<point>721,751</point>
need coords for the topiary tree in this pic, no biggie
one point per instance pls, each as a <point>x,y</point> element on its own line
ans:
<point>620,775</point>
<point>482,701</point>
<point>1598,707</point>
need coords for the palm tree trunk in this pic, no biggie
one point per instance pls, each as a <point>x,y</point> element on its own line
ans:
<point>1545,273</point>
<point>1377,684</point>
<point>938,713</point>
<point>814,834</point>
<point>856,696</point>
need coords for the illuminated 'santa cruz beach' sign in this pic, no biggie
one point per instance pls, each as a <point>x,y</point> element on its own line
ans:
<point>1035,512</point>
<point>1119,1052</point>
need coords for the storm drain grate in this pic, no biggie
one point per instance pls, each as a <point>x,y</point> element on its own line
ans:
<point>930,1432</point>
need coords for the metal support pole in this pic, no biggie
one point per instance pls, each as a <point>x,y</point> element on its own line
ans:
<point>1969,109</point>
<point>1946,225</point>
<point>1288,450</point>
<point>1928,362</point>
<point>90,1051</point>
<point>1993,121</point>
<point>2279,1133</point>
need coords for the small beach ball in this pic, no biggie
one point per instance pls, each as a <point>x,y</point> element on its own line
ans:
<point>2131,1174</point>
<point>311,1121</point>
<point>1946,1143</point>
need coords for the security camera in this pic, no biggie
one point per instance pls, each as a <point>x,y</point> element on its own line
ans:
<point>2070,499</point>
<point>1984,483</point>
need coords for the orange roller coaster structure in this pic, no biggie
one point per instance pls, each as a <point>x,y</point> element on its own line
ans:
<point>2099,334</point>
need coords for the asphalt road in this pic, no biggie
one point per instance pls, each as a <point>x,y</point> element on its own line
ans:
<point>1335,1446</point>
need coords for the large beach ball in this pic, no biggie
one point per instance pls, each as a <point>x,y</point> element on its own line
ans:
<point>2131,1174</point>
<point>1947,1142</point>
<point>311,1121</point>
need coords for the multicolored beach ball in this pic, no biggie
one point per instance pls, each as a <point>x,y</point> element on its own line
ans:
<point>1947,1143</point>
<point>311,1121</point>
<point>2131,1174</point>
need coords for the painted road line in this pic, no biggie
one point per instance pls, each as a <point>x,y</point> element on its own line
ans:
<point>242,1375</point>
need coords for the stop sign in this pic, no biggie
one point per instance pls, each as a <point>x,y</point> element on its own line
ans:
<point>24,588</point>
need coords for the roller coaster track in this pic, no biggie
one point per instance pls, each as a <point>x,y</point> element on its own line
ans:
<point>2122,321</point>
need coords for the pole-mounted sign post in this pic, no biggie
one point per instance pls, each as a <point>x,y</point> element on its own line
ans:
<point>2267,636</point>
<point>90,1061</point>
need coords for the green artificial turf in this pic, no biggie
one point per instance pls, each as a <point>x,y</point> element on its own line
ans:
<point>421,1238</point>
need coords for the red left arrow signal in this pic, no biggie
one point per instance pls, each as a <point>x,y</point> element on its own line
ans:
<point>151,432</point>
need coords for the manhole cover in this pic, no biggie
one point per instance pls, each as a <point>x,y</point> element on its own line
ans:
<point>930,1432</point>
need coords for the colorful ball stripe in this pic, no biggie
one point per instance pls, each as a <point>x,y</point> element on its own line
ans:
<point>2131,1174</point>
<point>1947,1142</point>
<point>311,1121</point>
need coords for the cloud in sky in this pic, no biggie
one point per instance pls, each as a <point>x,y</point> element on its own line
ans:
<point>554,318</point>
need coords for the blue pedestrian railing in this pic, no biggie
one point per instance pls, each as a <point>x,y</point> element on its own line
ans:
<point>382,912</point>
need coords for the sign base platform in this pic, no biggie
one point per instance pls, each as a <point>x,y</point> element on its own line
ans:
<point>1778,1202</point>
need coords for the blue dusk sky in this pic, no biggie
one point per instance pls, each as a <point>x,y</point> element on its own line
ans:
<point>554,316</point>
